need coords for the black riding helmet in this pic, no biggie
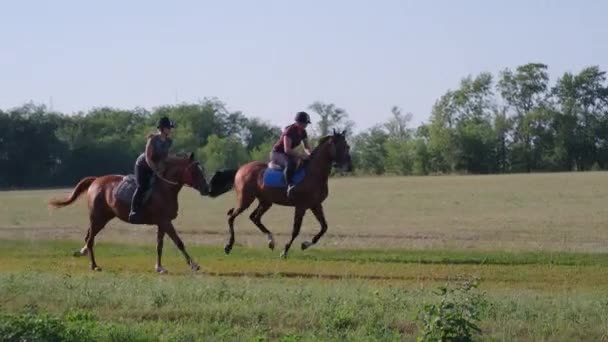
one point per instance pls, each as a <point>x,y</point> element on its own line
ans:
<point>303,117</point>
<point>164,122</point>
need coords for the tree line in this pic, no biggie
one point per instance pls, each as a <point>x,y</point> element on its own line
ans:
<point>516,121</point>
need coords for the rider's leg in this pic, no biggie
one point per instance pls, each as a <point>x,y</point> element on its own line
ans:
<point>288,164</point>
<point>290,169</point>
<point>143,174</point>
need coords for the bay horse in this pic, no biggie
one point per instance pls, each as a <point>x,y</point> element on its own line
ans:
<point>332,150</point>
<point>160,209</point>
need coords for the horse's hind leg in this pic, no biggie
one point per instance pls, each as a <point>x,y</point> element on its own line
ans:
<point>244,201</point>
<point>318,212</point>
<point>97,224</point>
<point>84,251</point>
<point>256,218</point>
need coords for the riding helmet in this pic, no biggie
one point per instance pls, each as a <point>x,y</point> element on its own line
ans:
<point>164,122</point>
<point>303,117</point>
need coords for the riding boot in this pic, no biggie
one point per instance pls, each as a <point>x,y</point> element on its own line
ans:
<point>138,197</point>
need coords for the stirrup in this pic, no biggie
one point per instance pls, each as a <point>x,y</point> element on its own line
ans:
<point>290,190</point>
<point>134,217</point>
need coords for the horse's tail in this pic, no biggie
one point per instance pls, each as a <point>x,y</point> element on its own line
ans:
<point>81,187</point>
<point>221,182</point>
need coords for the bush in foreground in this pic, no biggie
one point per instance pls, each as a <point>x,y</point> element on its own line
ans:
<point>455,317</point>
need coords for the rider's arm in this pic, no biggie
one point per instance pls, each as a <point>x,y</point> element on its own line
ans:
<point>306,146</point>
<point>287,146</point>
<point>150,153</point>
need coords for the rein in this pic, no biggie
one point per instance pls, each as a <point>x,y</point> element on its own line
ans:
<point>165,179</point>
<point>173,182</point>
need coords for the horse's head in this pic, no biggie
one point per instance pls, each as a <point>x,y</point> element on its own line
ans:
<point>188,171</point>
<point>339,150</point>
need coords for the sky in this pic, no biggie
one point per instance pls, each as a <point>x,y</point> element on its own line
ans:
<point>270,59</point>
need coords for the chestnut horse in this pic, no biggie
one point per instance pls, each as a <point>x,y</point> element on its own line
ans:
<point>332,150</point>
<point>160,209</point>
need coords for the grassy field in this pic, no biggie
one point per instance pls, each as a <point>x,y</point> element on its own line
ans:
<point>559,212</point>
<point>537,244</point>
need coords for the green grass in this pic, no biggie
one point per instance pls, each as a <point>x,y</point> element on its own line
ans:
<point>555,270</point>
<point>557,212</point>
<point>537,244</point>
<point>321,294</point>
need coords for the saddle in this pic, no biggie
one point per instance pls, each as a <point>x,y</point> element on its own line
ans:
<point>125,189</point>
<point>274,178</point>
<point>272,165</point>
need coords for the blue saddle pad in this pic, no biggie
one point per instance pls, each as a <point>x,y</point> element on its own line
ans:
<point>275,179</point>
<point>125,189</point>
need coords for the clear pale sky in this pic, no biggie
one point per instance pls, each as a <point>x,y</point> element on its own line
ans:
<point>273,58</point>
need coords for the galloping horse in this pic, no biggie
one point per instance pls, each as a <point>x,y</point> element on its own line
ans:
<point>160,209</point>
<point>332,150</point>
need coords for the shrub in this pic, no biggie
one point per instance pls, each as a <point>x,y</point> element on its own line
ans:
<point>456,315</point>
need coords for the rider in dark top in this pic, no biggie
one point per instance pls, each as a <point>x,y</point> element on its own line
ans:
<point>149,162</point>
<point>283,151</point>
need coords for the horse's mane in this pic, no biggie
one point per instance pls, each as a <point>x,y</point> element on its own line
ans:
<point>321,142</point>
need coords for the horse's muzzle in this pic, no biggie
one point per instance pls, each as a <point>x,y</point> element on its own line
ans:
<point>204,190</point>
<point>344,167</point>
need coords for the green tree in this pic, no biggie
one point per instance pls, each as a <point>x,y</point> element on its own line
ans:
<point>400,151</point>
<point>258,134</point>
<point>400,156</point>
<point>524,91</point>
<point>460,132</point>
<point>503,126</point>
<point>583,107</point>
<point>262,152</point>
<point>369,151</point>
<point>421,155</point>
<point>30,153</point>
<point>477,146</point>
<point>397,126</point>
<point>442,149</point>
<point>331,117</point>
<point>220,153</point>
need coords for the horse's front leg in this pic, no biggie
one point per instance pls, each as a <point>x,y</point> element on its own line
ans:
<point>318,212</point>
<point>160,237</point>
<point>297,224</point>
<point>170,230</point>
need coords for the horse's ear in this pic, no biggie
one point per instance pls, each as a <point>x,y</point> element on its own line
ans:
<point>344,132</point>
<point>334,131</point>
<point>191,156</point>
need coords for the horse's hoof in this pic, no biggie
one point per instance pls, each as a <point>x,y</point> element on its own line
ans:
<point>306,245</point>
<point>284,255</point>
<point>227,249</point>
<point>161,270</point>
<point>194,266</point>
<point>271,244</point>
<point>96,268</point>
<point>82,252</point>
